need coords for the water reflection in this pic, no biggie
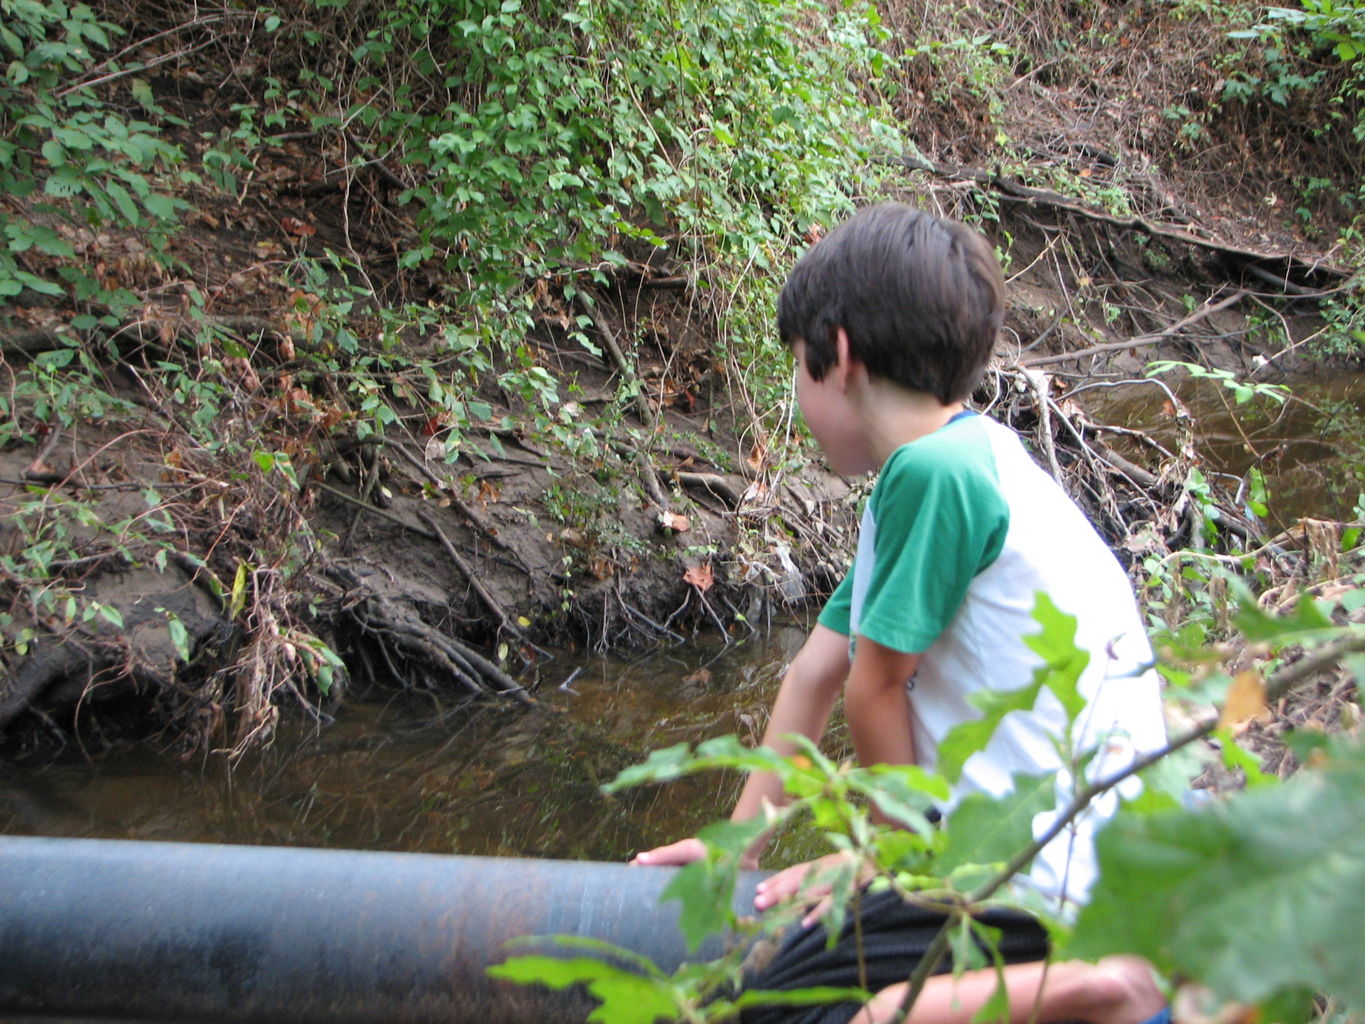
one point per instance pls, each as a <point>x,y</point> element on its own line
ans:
<point>410,774</point>
<point>1311,449</point>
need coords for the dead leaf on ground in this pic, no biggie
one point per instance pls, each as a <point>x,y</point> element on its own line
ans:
<point>700,576</point>
<point>575,538</point>
<point>757,456</point>
<point>1245,701</point>
<point>674,522</point>
<point>294,226</point>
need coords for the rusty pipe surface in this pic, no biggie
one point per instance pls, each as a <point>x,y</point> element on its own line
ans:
<point>117,929</point>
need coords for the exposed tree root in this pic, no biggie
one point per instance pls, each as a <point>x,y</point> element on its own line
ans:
<point>1140,511</point>
<point>494,606</point>
<point>415,648</point>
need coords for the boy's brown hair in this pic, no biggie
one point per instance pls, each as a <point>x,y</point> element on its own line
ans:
<point>921,299</point>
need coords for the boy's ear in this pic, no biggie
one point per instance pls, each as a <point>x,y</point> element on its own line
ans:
<point>844,362</point>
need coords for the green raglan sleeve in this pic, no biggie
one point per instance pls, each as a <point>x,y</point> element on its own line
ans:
<point>940,520</point>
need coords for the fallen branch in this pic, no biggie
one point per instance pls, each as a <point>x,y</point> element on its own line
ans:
<point>618,359</point>
<point>1046,197</point>
<point>1207,310</point>
<point>712,482</point>
<point>35,340</point>
<point>38,470</point>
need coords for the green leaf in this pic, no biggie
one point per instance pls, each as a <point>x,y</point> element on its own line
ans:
<point>53,153</point>
<point>966,954</point>
<point>677,761</point>
<point>1065,661</point>
<point>56,358</point>
<point>626,997</point>
<point>142,93</point>
<point>36,283</point>
<point>800,996</point>
<point>661,766</point>
<point>63,184</point>
<point>74,138</point>
<point>966,739</point>
<point>162,207</point>
<point>124,201</point>
<point>905,792</point>
<point>48,241</point>
<point>1236,756</point>
<point>1259,895</point>
<point>706,887</point>
<point>1305,617</point>
<point>237,600</point>
<point>180,637</point>
<point>93,31</point>
<point>986,829</point>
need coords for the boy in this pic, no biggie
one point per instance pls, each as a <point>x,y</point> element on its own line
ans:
<point>892,319</point>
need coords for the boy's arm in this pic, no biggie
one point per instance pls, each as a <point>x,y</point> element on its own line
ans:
<point>804,702</point>
<point>876,704</point>
<point>877,709</point>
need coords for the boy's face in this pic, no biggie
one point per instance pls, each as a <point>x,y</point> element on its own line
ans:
<point>832,420</point>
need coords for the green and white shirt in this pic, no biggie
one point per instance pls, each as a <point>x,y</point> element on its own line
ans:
<point>961,532</point>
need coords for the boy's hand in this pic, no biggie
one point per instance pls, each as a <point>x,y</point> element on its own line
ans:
<point>806,882</point>
<point>684,851</point>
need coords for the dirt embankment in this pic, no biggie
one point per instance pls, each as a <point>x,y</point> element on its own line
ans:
<point>220,583</point>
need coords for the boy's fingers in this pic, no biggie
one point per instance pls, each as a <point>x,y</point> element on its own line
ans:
<point>684,851</point>
<point>787,884</point>
<point>816,912</point>
<point>795,882</point>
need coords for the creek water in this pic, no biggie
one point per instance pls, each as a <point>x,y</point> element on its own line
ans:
<point>1310,448</point>
<point>408,773</point>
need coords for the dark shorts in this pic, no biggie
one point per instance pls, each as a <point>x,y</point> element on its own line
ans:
<point>895,936</point>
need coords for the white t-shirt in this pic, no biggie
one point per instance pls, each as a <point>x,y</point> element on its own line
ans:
<point>960,534</point>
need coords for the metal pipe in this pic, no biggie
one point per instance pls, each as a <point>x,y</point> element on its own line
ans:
<point>116,929</point>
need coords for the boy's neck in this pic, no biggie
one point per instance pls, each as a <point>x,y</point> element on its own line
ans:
<point>894,416</point>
